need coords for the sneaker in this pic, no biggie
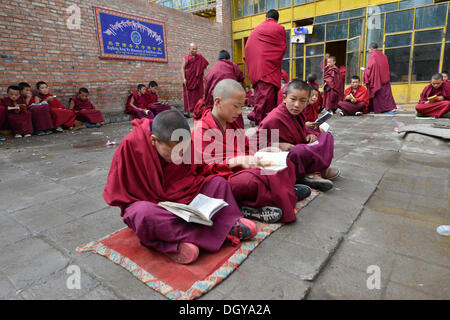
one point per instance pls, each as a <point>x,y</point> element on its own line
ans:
<point>40,133</point>
<point>59,129</point>
<point>302,192</point>
<point>315,181</point>
<point>331,173</point>
<point>89,125</point>
<point>359,113</point>
<point>27,135</point>
<point>264,214</point>
<point>17,136</point>
<point>187,253</point>
<point>2,138</point>
<point>243,229</point>
<point>98,125</point>
<point>48,132</point>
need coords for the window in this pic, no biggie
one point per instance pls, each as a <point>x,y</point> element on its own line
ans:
<point>399,63</point>
<point>284,3</point>
<point>425,61</point>
<point>298,69</point>
<point>328,17</point>
<point>298,47</point>
<point>285,66</point>
<point>318,34</point>
<point>238,51</point>
<point>398,40</point>
<point>446,63</point>
<point>430,17</point>
<point>337,30</point>
<point>259,6</point>
<point>287,54</point>
<point>248,7</point>
<point>352,66</point>
<point>314,50</point>
<point>414,3</point>
<point>312,65</point>
<point>383,8</point>
<point>297,2</point>
<point>352,13</point>
<point>429,36</point>
<point>353,44</point>
<point>399,21</point>
<point>376,34</point>
<point>355,27</point>
<point>238,8</point>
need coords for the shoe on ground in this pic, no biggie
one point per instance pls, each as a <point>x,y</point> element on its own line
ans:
<point>89,125</point>
<point>187,253</point>
<point>59,129</point>
<point>97,125</point>
<point>48,132</point>
<point>264,214</point>
<point>302,192</point>
<point>316,181</point>
<point>27,135</point>
<point>17,136</point>
<point>40,133</point>
<point>359,113</point>
<point>243,229</point>
<point>331,173</point>
<point>2,138</point>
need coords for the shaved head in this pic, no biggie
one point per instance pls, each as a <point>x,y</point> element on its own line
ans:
<point>229,98</point>
<point>166,122</point>
<point>193,48</point>
<point>226,88</point>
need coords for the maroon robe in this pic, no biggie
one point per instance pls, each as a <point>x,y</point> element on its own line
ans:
<point>250,187</point>
<point>41,115</point>
<point>60,115</point>
<point>223,69</point>
<point>378,82</point>
<point>2,115</point>
<point>362,101</point>
<point>333,88</point>
<point>153,105</point>
<point>434,109</point>
<point>264,53</point>
<point>307,158</point>
<point>140,101</point>
<point>86,111</point>
<point>193,71</point>
<point>19,123</point>
<point>139,178</point>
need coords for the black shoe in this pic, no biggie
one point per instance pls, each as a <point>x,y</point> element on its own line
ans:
<point>302,192</point>
<point>264,214</point>
<point>319,184</point>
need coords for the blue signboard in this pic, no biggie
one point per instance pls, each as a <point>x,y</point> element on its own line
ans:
<point>123,36</point>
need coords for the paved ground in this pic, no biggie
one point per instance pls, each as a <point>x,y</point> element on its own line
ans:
<point>383,211</point>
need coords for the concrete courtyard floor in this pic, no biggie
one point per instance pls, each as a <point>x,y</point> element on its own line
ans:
<point>392,194</point>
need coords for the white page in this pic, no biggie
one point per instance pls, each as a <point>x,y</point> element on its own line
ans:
<point>272,160</point>
<point>207,205</point>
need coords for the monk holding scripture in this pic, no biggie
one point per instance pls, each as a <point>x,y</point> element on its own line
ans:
<point>378,81</point>
<point>435,99</point>
<point>356,99</point>
<point>192,70</point>
<point>264,53</point>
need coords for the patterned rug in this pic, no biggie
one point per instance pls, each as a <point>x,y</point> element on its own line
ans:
<point>176,281</point>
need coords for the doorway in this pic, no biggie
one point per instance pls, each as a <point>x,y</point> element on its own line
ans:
<point>339,50</point>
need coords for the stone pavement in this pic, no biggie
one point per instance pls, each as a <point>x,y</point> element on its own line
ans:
<point>383,211</point>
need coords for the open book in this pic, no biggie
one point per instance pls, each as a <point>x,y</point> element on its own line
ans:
<point>325,117</point>
<point>200,210</point>
<point>272,160</point>
<point>434,98</point>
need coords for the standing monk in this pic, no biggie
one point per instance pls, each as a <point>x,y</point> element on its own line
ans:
<point>378,81</point>
<point>264,53</point>
<point>356,99</point>
<point>192,70</point>
<point>435,99</point>
<point>333,86</point>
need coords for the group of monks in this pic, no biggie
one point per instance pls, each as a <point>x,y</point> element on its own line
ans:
<point>25,113</point>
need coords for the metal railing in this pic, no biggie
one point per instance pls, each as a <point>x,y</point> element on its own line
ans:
<point>184,5</point>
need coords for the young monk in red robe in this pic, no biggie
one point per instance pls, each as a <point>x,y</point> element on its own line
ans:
<point>143,173</point>
<point>85,110</point>
<point>378,81</point>
<point>61,116</point>
<point>356,99</point>
<point>333,86</point>
<point>312,81</point>
<point>311,112</point>
<point>264,197</point>
<point>19,120</point>
<point>2,119</point>
<point>310,151</point>
<point>445,76</point>
<point>264,53</point>
<point>439,107</point>
<point>192,70</point>
<point>151,95</point>
<point>42,118</point>
<point>137,104</point>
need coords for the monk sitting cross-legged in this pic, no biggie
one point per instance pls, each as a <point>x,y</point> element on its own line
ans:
<point>435,99</point>
<point>222,146</point>
<point>356,99</point>
<point>85,110</point>
<point>19,119</point>
<point>152,99</point>
<point>137,104</point>
<point>310,151</point>
<point>144,172</point>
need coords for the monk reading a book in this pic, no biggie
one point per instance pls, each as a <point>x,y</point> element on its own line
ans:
<point>356,99</point>
<point>18,117</point>
<point>144,172</point>
<point>151,95</point>
<point>137,104</point>
<point>85,110</point>
<point>435,99</point>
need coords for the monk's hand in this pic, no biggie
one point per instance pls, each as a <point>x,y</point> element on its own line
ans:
<point>246,162</point>
<point>348,98</point>
<point>284,146</point>
<point>441,98</point>
<point>311,138</point>
<point>312,125</point>
<point>49,99</point>
<point>354,101</point>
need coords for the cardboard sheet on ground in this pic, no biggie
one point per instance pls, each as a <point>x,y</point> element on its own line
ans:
<point>426,129</point>
<point>176,281</point>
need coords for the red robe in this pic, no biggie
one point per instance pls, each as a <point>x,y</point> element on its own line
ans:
<point>86,111</point>
<point>41,114</point>
<point>249,186</point>
<point>223,69</point>
<point>3,114</point>
<point>334,88</point>
<point>153,105</point>
<point>264,53</point>
<point>434,109</point>
<point>20,123</point>
<point>140,101</point>
<point>193,71</point>
<point>60,115</point>
<point>362,101</point>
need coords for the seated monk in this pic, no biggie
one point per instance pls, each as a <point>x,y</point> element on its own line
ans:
<point>311,112</point>
<point>356,99</point>
<point>137,105</point>
<point>151,95</point>
<point>445,76</point>
<point>61,116</point>
<point>312,81</point>
<point>19,120</point>
<point>42,118</point>
<point>439,106</point>
<point>143,173</point>
<point>264,197</point>
<point>2,119</point>
<point>310,151</point>
<point>85,110</point>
